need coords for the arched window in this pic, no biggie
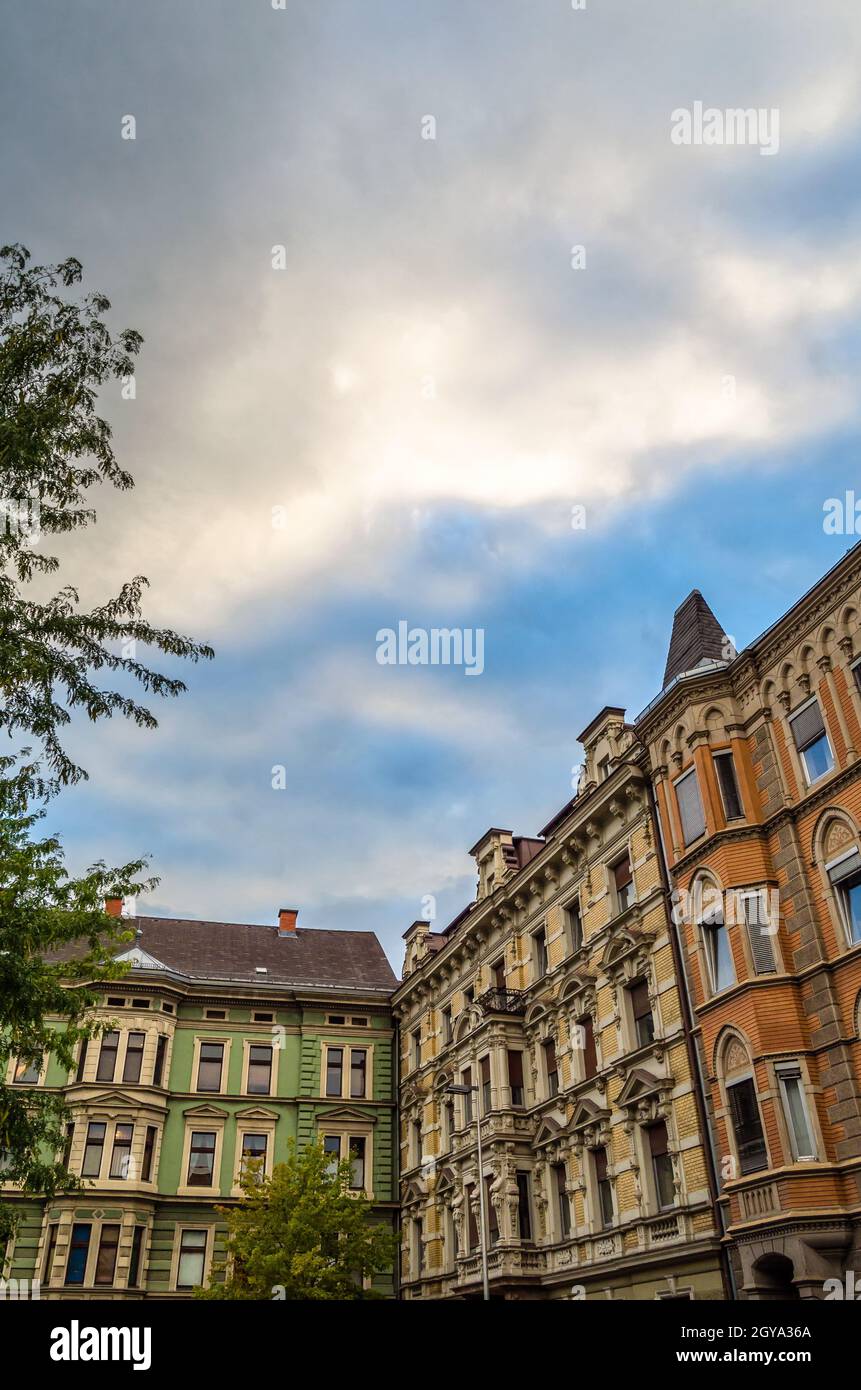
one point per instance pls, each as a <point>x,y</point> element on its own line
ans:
<point>737,1074</point>
<point>838,844</point>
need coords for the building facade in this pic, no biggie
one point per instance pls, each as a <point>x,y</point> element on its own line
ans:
<point>755,763</point>
<point>553,999</point>
<point>225,1042</point>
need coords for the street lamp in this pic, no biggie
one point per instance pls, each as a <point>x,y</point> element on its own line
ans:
<point>482,1228</point>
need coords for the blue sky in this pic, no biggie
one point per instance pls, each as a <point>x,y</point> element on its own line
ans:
<point>427,390</point>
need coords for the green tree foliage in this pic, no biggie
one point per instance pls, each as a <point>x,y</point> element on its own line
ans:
<point>300,1234</point>
<point>55,353</point>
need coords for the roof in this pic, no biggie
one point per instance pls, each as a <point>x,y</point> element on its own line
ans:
<point>304,957</point>
<point>697,636</point>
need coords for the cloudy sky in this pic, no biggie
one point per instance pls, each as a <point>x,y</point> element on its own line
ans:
<point>398,423</point>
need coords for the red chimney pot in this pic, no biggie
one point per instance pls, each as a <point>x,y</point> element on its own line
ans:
<point>287,920</point>
<point>114,907</point>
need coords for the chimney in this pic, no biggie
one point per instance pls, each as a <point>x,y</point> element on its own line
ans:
<point>287,921</point>
<point>114,907</point>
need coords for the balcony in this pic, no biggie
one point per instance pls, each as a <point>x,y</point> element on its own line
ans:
<point>502,1001</point>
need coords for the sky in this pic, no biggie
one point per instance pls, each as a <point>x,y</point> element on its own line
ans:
<point>524,364</point>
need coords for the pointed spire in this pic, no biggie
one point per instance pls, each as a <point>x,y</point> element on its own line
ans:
<point>697,637</point>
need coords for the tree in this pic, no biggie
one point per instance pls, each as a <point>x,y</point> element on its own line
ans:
<point>300,1234</point>
<point>54,355</point>
<point>55,939</point>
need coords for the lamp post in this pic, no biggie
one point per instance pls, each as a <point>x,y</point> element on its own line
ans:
<point>482,1227</point>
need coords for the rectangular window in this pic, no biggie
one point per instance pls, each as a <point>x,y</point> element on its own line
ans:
<point>472,1223</point>
<point>550,1067</point>
<point>93,1149</point>
<point>108,1056</point>
<point>466,1080</point>
<point>811,741</point>
<point>134,1057</point>
<point>417,1141</point>
<point>574,923</point>
<point>492,1217</point>
<point>259,1070</point>
<point>449,1122</point>
<point>358,1070</point>
<point>497,971</point>
<point>515,1077</point>
<point>82,1060</point>
<point>747,1126</point>
<point>135,1259</point>
<point>662,1166</point>
<point>253,1151</point>
<point>357,1162</point>
<point>446,1025</point>
<point>623,880</point>
<point>563,1204</point>
<point>718,954</point>
<point>160,1054</point>
<point>690,807</point>
<point>192,1259</point>
<point>725,768</point>
<point>27,1073</point>
<point>106,1259</point>
<point>149,1149</point>
<point>524,1206</point>
<point>48,1264</point>
<point>641,1011</point>
<point>845,877</point>
<point>795,1110</point>
<point>332,1148</point>
<point>122,1153</point>
<point>67,1147</point>
<point>486,1089</point>
<point>586,1038</point>
<point>539,955</point>
<point>604,1186</point>
<point>209,1066</point>
<point>201,1159</point>
<point>416,1043</point>
<point>334,1071</point>
<point>79,1249</point>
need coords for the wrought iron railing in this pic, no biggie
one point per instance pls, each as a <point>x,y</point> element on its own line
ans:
<point>502,1001</point>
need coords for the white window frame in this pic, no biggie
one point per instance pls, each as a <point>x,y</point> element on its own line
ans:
<point>792,1071</point>
<point>224,1041</point>
<point>347,1068</point>
<point>207,1253</point>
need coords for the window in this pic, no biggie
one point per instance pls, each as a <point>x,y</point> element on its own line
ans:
<point>167,1008</point>
<point>551,1070</point>
<point>795,1110</point>
<point>725,768</point>
<point>358,1069</point>
<point>690,807</point>
<point>497,971</point>
<point>50,1249</point>
<point>334,1071</point>
<point>469,996</point>
<point>747,1126</point>
<point>332,1147</point>
<point>845,878</point>
<point>416,1047</point>
<point>209,1065</point>
<point>82,1060</point>
<point>134,1057</point>
<point>108,1056</point>
<point>140,1003</point>
<point>93,1149</point>
<point>466,1080</point>
<point>337,1019</point>
<point>563,1203</point>
<point>486,1088</point>
<point>253,1151</point>
<point>259,1070</point>
<point>160,1054</point>
<point>416,1130</point>
<point>67,1147</point>
<point>258,1017</point>
<point>624,883</point>
<point>492,1215</point>
<point>574,924</point>
<point>446,1025</point>
<point>201,1159</point>
<point>539,954</point>
<point>604,1187</point>
<point>641,1012</point>
<point>106,1259</point>
<point>524,1206</point>
<point>135,1259</point>
<point>116,1001</point>
<point>215,1013</point>
<point>718,952</point>
<point>149,1149</point>
<point>811,740</point>
<point>515,1077</point>
<point>359,1022</point>
<point>357,1162</point>
<point>472,1223</point>
<point>79,1249</point>
<point>585,1036</point>
<point>603,768</point>
<point>449,1122</point>
<point>122,1153</point>
<point>662,1166</point>
<point>27,1072</point>
<point>192,1259</point>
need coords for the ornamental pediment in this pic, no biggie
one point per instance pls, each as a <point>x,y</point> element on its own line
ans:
<point>587,1115</point>
<point>256,1112</point>
<point>347,1115</point>
<point>629,945</point>
<point>205,1112</point>
<point>646,1097</point>
<point>548,1132</point>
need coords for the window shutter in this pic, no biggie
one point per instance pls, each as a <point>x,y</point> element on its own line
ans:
<point>690,807</point>
<point>846,868</point>
<point>657,1140</point>
<point>761,949</point>
<point>600,1156</point>
<point>807,726</point>
<point>622,871</point>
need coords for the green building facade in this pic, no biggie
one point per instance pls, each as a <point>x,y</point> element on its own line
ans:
<point>226,1041</point>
